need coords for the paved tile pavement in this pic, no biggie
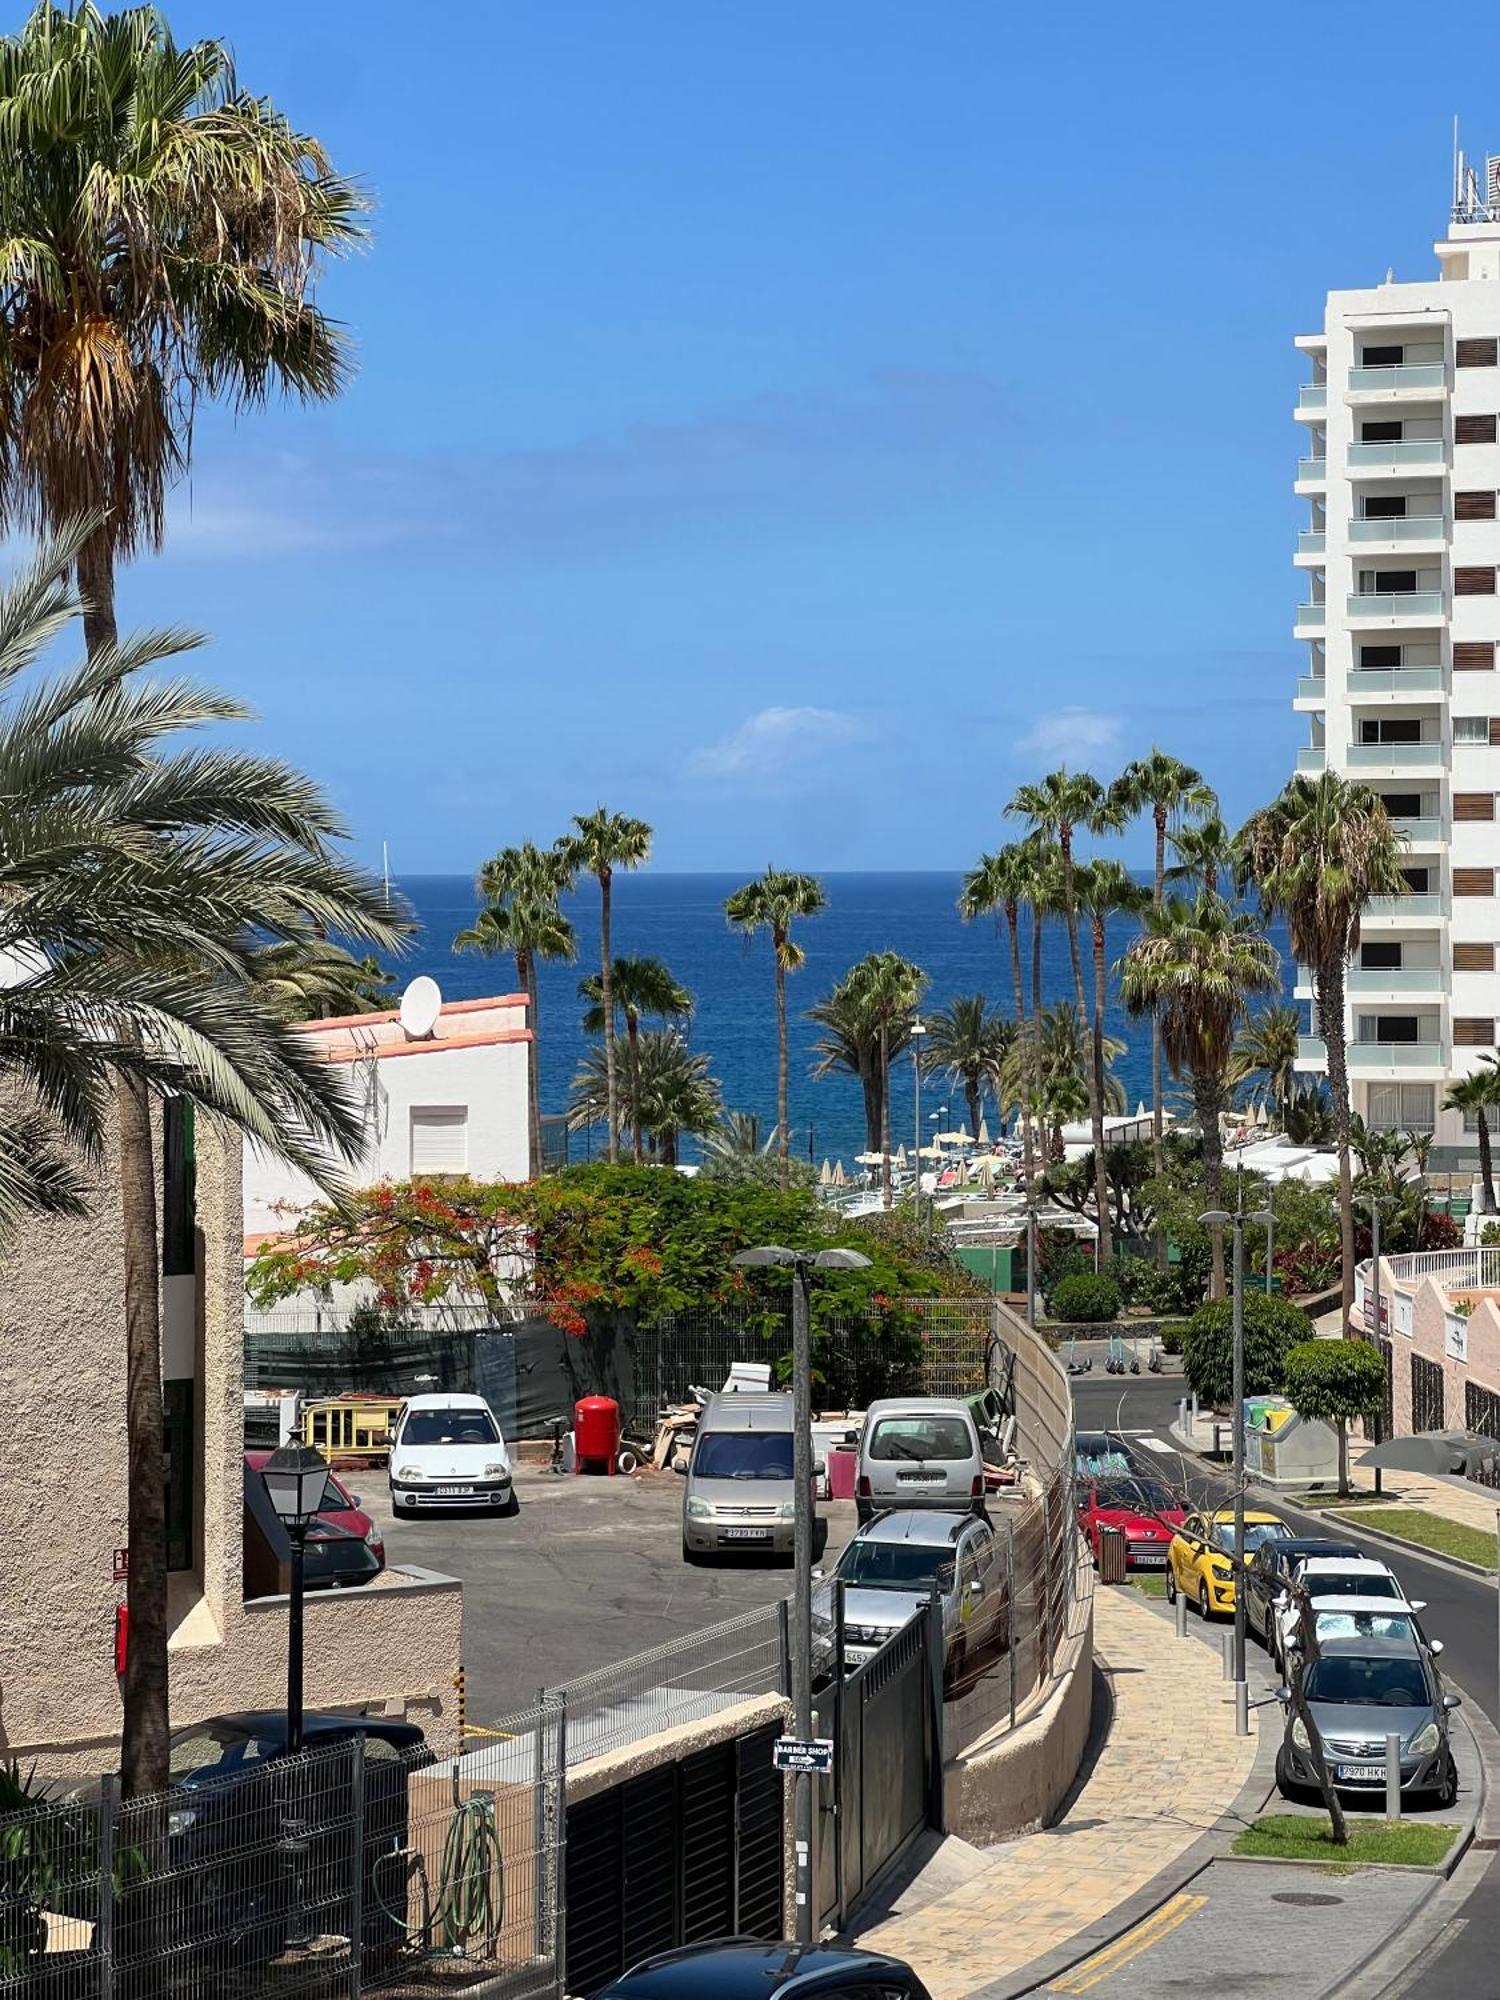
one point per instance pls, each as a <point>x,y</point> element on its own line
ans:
<point>1169,1769</point>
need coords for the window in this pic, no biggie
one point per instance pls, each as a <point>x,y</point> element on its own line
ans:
<point>1456,1336</point>
<point>1473,656</point>
<point>1403,1028</point>
<point>1394,729</point>
<point>1476,353</point>
<point>1380,656</point>
<point>1476,505</point>
<point>1383,431</point>
<point>440,1139</point>
<point>1469,581</point>
<point>1418,880</point>
<point>1471,729</point>
<point>464,1425</point>
<point>1473,430</point>
<point>1386,507</point>
<point>1473,805</point>
<point>1473,957</point>
<point>1473,881</point>
<point>1380,957</point>
<point>945,1438</point>
<point>1399,1107</point>
<point>1473,1031</point>
<point>1396,581</point>
<point>1403,805</point>
<point>743,1455</point>
<point>179,1234</point>
<point>1383,357</point>
<point>1403,1313</point>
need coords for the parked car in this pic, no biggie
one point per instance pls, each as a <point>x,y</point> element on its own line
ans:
<point>1145,1511</point>
<point>1358,1691</point>
<point>1271,1567</point>
<point>1369,1618</point>
<point>1198,1556</point>
<point>1331,1576</point>
<point>339,1506</point>
<point>893,1565</point>
<point>447,1451</point>
<point>748,1969</point>
<point>918,1451</point>
<point>1100,1455</point>
<point>740,1494</point>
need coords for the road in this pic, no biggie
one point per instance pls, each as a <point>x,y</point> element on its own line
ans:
<point>1460,1610</point>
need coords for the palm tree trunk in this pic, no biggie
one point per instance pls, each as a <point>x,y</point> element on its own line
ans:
<point>1101,1178</point>
<point>1096,1108</point>
<point>971,1098</point>
<point>633,1034</point>
<point>1028,1056</point>
<point>534,1082</point>
<point>1157,1082</point>
<point>1208,1091</point>
<point>885,1115</point>
<point>1330,1012</point>
<point>869,1083</point>
<point>607,996</point>
<point>783,1148</point>
<point>1035,1051</point>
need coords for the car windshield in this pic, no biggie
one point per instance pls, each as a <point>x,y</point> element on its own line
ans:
<point>333,1501</point>
<point>944,1438</point>
<point>1139,1494</point>
<point>1257,1534</point>
<point>1351,1586</point>
<point>1370,1683</point>
<point>743,1455</point>
<point>214,1750</point>
<point>897,1563</point>
<point>1364,1625</point>
<point>449,1427</point>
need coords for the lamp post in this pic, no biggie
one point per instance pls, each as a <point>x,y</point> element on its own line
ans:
<point>1217,1218</point>
<point>1377,1203</point>
<point>918,1033</point>
<point>296,1477</point>
<point>800,1263</point>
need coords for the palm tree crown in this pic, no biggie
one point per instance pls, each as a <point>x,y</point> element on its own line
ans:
<point>1205,855</point>
<point>969,1042</point>
<point>1266,1055</point>
<point>602,842</point>
<point>889,987</point>
<point>774,902</point>
<point>638,986</point>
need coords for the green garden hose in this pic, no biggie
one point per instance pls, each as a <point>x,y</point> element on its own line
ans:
<point>465,1916</point>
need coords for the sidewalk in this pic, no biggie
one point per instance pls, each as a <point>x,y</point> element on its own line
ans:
<point>1170,1767</point>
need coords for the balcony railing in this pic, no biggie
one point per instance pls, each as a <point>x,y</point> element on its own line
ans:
<point>1312,396</point>
<point>1420,832</point>
<point>1312,689</point>
<point>1311,1048</point>
<point>1475,1270</point>
<point>1396,680</point>
<point>1311,617</point>
<point>1420,903</point>
<point>1394,979</point>
<point>1410,375</point>
<point>1376,1057</point>
<point>1403,528</point>
<point>1312,759</point>
<point>1311,541</point>
<point>1395,756</point>
<point>1400,451</point>
<point>1394,604</point>
<point>1311,469</point>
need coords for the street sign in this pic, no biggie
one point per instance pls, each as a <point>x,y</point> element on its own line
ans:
<point>794,1753</point>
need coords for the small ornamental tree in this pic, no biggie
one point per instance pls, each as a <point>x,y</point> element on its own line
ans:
<point>1272,1328</point>
<point>1336,1382</point>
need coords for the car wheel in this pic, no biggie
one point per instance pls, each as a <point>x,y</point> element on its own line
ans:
<point>1292,1792</point>
<point>1203,1606</point>
<point>1447,1793</point>
<point>689,1555</point>
<point>1171,1584</point>
<point>512,1505</point>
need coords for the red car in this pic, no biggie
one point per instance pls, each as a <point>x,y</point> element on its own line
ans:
<point>339,1506</point>
<point>1144,1511</point>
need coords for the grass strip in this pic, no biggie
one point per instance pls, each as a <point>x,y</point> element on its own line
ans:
<point>1291,1837</point>
<point>1149,1586</point>
<point>1423,1530</point>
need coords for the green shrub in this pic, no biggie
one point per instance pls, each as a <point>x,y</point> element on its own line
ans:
<point>1337,1381</point>
<point>1086,1297</point>
<point>1273,1327</point>
<point>1170,1337</point>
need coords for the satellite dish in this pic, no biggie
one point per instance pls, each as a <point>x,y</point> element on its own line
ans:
<point>421,1004</point>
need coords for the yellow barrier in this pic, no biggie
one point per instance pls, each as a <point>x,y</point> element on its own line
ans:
<point>352,1428</point>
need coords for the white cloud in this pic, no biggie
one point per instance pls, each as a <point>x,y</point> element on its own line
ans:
<point>774,742</point>
<point>1070,736</point>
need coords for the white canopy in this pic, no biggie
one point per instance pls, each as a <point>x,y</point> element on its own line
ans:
<point>984,1133</point>
<point>869,1159</point>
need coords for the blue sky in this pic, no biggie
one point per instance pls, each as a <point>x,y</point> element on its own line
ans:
<point>798,424</point>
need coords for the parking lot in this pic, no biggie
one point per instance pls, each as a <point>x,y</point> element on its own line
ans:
<point>589,1571</point>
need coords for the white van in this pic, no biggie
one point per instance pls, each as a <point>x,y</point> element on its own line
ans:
<point>447,1451</point>
<point>919,1451</point>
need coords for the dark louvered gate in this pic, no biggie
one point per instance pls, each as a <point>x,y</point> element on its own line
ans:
<point>1482,1414</point>
<point>692,1850</point>
<point>1426,1394</point>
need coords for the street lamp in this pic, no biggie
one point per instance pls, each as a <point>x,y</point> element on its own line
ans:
<point>800,1262</point>
<point>1377,1202</point>
<point>296,1478</point>
<point>918,1035</point>
<point>1217,1218</point>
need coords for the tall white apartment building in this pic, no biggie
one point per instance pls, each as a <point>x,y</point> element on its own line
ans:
<point>1401,689</point>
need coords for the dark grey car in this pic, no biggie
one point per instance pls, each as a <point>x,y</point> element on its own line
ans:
<point>1359,1691</point>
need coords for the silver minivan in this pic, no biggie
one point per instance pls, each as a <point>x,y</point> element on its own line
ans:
<point>919,1451</point>
<point>740,1494</point>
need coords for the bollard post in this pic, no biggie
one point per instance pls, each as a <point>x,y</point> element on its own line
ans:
<point>1242,1708</point>
<point>1181,1616</point>
<point>1229,1655</point>
<point>1392,1777</point>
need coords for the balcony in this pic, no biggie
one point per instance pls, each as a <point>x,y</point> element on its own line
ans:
<point>1395,979</point>
<point>1401,381</point>
<point>1311,688</point>
<point>1381,1058</point>
<point>1419,906</point>
<point>1395,606</point>
<point>1421,832</point>
<point>1310,618</point>
<point>1365,682</point>
<point>1312,396</point>
<point>1310,542</point>
<point>1312,759</point>
<point>1395,756</point>
<point>1397,455</point>
<point>1311,472</point>
<point>1403,528</point>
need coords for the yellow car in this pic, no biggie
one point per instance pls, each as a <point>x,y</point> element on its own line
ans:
<point>1198,1556</point>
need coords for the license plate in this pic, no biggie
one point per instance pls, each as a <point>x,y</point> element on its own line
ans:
<point>919,1478</point>
<point>746,1534</point>
<point>1359,1774</point>
<point>454,1491</point>
<point>1149,1562</point>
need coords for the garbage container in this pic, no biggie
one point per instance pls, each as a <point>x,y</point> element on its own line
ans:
<point>596,1434</point>
<point>1111,1556</point>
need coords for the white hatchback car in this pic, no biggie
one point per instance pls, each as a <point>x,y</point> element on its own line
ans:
<point>447,1451</point>
<point>1332,1576</point>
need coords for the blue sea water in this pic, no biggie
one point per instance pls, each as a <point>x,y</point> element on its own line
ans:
<point>680,920</point>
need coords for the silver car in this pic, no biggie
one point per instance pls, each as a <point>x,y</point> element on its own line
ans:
<point>918,1451</point>
<point>891,1569</point>
<point>1358,1692</point>
<point>740,1495</point>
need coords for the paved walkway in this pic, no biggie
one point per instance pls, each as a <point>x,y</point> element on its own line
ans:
<point>1170,1767</point>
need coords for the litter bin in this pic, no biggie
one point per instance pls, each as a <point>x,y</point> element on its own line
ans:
<point>1111,1556</point>
<point>596,1434</point>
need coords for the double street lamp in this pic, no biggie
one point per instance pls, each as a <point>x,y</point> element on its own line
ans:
<point>918,1035</point>
<point>296,1478</point>
<point>800,1263</point>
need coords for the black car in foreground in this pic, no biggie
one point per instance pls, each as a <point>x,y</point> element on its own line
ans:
<point>1270,1572</point>
<point>749,1969</point>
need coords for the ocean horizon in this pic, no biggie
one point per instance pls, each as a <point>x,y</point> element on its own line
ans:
<point>679,918</point>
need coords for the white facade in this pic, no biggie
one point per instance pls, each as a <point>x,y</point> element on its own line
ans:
<point>453,1102</point>
<point>1400,471</point>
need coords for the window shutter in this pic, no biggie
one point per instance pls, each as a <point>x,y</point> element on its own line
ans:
<point>440,1139</point>
<point>1474,582</point>
<point>1473,656</point>
<point>1474,353</point>
<point>1473,1031</point>
<point>1473,881</point>
<point>1477,506</point>
<point>1494,731</point>
<point>1473,805</point>
<point>1473,430</point>
<point>1473,958</point>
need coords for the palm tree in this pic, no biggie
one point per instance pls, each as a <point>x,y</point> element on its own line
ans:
<point>1060,1057</point>
<point>639,986</point>
<point>523,915</point>
<point>738,1136</point>
<point>606,841</point>
<point>1476,1095</point>
<point>139,885</point>
<point>1267,1051</point>
<point>671,1082</point>
<point>850,1042</point>
<point>313,979</point>
<point>1171,792</point>
<point>968,1041</point>
<point>1318,853</point>
<point>1197,964</point>
<point>1104,889</point>
<point>1002,882</point>
<point>889,986</point>
<point>774,902</point>
<point>1205,855</point>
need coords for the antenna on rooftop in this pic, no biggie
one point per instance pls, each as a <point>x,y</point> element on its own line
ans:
<point>421,1004</point>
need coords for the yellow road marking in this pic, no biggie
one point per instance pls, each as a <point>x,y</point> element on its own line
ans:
<point>1150,1931</point>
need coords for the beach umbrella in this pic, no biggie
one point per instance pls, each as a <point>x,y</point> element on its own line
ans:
<point>984,1133</point>
<point>825,1174</point>
<point>868,1159</point>
<point>1141,1111</point>
<point>838,1174</point>
<point>933,1152</point>
<point>1260,1112</point>
<point>901,1157</point>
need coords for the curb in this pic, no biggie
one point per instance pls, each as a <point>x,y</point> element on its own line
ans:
<point>1438,1870</point>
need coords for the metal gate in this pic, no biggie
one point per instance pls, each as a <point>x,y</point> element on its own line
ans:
<point>1482,1414</point>
<point>1426,1394</point>
<point>690,1851</point>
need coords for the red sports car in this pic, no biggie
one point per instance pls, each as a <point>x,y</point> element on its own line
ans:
<point>340,1506</point>
<point>1144,1511</point>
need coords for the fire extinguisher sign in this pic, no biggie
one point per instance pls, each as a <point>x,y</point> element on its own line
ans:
<point>122,1565</point>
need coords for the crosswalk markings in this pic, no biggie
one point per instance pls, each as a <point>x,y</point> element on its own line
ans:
<point>1150,1931</point>
<point>1155,1444</point>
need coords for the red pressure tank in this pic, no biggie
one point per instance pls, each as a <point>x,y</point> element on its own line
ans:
<point>596,1434</point>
